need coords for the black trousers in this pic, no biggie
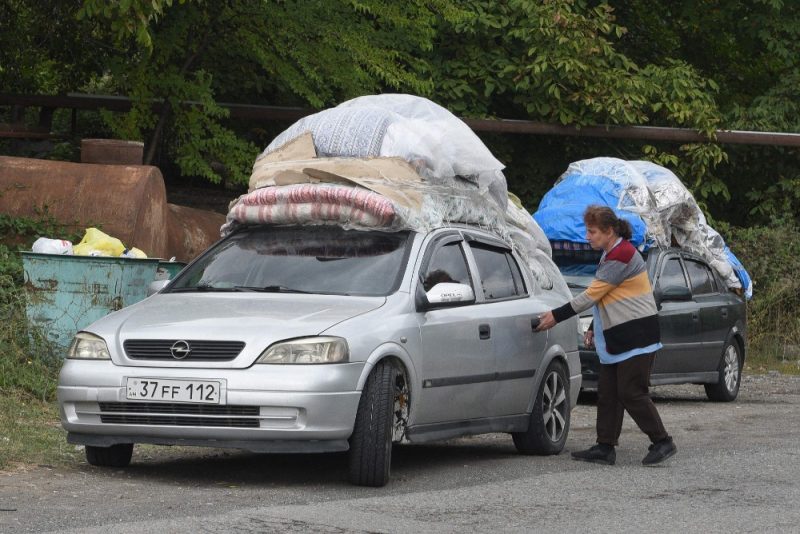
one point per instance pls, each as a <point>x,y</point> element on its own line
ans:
<point>624,387</point>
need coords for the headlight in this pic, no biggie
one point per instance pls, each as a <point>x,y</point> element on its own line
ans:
<point>307,350</point>
<point>87,346</point>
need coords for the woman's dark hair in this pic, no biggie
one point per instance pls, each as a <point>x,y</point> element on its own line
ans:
<point>603,217</point>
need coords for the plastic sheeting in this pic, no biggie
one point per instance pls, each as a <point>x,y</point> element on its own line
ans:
<point>659,207</point>
<point>391,162</point>
<point>437,143</point>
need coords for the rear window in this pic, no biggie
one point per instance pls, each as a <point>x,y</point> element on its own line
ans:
<point>316,259</point>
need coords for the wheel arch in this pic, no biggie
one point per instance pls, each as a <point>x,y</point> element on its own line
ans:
<point>553,353</point>
<point>399,358</point>
<point>736,335</point>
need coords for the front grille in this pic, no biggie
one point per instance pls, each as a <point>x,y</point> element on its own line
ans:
<point>156,413</point>
<point>159,349</point>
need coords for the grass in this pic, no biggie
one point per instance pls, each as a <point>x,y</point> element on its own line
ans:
<point>31,433</point>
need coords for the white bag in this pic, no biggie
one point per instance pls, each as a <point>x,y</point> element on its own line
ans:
<point>44,245</point>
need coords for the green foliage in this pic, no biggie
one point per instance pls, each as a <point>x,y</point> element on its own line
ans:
<point>772,257</point>
<point>316,53</point>
<point>27,361</point>
<point>45,49</point>
<point>749,49</point>
<point>560,61</point>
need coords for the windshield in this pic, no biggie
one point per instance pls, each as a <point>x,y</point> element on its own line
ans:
<point>316,259</point>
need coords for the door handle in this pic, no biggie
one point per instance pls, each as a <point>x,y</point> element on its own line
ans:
<point>535,323</point>
<point>724,313</point>
<point>484,331</point>
<point>695,316</point>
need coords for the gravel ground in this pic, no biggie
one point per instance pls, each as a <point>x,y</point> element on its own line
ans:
<point>737,469</point>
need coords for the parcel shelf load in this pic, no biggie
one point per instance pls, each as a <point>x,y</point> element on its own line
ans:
<point>660,209</point>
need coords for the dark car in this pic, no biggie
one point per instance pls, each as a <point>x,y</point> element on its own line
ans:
<point>703,324</point>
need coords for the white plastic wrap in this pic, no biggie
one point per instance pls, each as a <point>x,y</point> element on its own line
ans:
<point>437,143</point>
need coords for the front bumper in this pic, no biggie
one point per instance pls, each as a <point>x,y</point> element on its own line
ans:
<point>279,408</point>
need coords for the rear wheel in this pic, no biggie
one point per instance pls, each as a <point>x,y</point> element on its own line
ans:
<point>371,443</point>
<point>114,456</point>
<point>730,375</point>
<point>549,424</point>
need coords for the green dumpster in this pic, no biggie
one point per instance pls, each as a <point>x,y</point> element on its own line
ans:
<point>67,293</point>
<point>167,270</point>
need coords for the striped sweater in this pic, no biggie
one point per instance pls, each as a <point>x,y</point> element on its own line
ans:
<point>624,298</point>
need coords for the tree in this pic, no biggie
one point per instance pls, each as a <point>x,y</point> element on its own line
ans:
<point>310,52</point>
<point>561,61</point>
<point>45,49</point>
<point>751,50</point>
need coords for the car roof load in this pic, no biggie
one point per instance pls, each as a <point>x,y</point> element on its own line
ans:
<point>661,210</point>
<point>389,162</point>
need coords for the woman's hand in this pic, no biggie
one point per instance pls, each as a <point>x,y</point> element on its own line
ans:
<point>546,321</point>
<point>588,339</point>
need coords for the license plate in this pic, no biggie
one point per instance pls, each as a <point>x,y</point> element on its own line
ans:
<point>168,390</point>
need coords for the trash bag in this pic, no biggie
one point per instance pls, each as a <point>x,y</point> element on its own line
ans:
<point>97,243</point>
<point>43,245</point>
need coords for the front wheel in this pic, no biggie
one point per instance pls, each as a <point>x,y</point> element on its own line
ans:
<point>730,375</point>
<point>549,424</point>
<point>371,443</point>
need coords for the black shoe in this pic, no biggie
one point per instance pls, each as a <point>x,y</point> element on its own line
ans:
<point>597,454</point>
<point>660,451</point>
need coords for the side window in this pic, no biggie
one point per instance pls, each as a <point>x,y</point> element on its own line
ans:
<point>447,264</point>
<point>701,278</point>
<point>494,268</point>
<point>672,274</point>
<point>517,274</point>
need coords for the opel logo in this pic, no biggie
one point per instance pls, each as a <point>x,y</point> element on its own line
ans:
<point>180,349</point>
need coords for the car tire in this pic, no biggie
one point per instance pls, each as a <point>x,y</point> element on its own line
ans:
<point>370,454</point>
<point>730,375</point>
<point>549,420</point>
<point>114,456</point>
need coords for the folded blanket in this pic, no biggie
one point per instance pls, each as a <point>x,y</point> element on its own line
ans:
<point>314,203</point>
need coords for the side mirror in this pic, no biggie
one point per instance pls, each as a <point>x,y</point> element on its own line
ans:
<point>675,293</point>
<point>447,294</point>
<point>156,286</point>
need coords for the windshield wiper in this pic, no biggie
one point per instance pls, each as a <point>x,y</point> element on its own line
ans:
<point>206,287</point>
<point>271,289</point>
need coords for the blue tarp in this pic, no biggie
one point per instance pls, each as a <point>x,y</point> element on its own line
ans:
<point>560,212</point>
<point>741,273</point>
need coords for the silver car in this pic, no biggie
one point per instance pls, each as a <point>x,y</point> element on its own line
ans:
<point>320,339</point>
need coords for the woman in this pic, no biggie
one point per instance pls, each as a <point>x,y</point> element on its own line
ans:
<point>626,335</point>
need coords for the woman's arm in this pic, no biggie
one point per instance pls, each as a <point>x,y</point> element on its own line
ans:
<point>596,291</point>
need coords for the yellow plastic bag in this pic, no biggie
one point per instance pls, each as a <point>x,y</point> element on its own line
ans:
<point>97,243</point>
<point>134,252</point>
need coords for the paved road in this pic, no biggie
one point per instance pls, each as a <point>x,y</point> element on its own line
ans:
<point>737,470</point>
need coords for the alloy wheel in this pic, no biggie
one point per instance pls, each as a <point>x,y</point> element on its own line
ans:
<point>554,406</point>
<point>731,369</point>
